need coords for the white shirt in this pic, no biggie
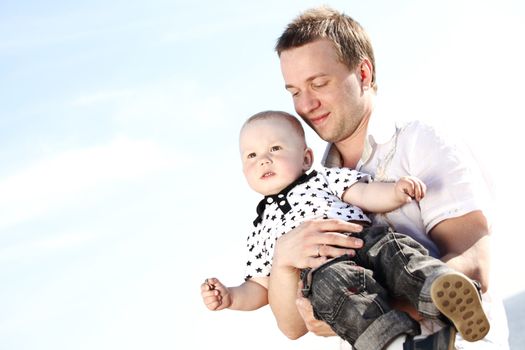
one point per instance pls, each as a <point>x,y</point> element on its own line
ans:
<point>455,186</point>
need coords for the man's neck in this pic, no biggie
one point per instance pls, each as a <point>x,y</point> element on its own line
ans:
<point>351,148</point>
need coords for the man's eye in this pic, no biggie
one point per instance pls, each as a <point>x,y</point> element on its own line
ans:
<point>275,148</point>
<point>251,155</point>
<point>293,92</point>
<point>319,84</point>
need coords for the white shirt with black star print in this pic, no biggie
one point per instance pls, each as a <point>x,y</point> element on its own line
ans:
<point>319,197</point>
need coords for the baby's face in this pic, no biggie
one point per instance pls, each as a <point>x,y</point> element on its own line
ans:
<point>272,154</point>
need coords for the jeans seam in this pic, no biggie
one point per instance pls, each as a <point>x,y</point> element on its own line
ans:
<point>405,260</point>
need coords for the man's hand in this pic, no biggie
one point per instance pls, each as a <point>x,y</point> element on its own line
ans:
<point>317,327</point>
<point>314,242</point>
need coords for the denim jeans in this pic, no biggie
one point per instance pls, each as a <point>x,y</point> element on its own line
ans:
<point>352,294</point>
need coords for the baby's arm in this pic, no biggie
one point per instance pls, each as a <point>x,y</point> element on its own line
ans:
<point>250,295</point>
<point>382,197</point>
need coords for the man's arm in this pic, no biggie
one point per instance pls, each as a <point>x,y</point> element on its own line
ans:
<point>296,250</point>
<point>282,294</point>
<point>464,243</point>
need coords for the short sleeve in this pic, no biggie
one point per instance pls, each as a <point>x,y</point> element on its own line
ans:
<point>340,179</point>
<point>454,181</point>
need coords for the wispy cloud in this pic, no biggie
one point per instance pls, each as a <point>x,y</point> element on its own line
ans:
<point>49,245</point>
<point>101,97</point>
<point>171,101</point>
<point>50,183</point>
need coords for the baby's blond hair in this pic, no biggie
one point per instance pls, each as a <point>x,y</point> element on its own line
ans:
<point>296,124</point>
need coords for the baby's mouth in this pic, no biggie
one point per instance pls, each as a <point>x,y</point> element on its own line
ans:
<point>267,175</point>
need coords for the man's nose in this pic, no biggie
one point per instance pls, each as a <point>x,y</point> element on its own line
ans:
<point>306,103</point>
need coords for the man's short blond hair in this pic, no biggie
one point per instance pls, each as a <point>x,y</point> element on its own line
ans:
<point>349,38</point>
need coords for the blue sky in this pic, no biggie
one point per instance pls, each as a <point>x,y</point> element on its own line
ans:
<point>119,159</point>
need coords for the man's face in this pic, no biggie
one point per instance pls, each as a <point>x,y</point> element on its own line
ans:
<point>326,94</point>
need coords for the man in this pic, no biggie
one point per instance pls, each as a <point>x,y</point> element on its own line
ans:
<point>328,66</point>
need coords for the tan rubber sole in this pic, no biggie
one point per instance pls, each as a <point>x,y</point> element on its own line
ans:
<point>457,298</point>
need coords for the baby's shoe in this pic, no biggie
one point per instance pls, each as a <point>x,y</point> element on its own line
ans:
<point>458,298</point>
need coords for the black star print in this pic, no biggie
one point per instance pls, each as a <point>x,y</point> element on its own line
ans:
<point>248,263</point>
<point>274,217</point>
<point>259,270</point>
<point>259,256</point>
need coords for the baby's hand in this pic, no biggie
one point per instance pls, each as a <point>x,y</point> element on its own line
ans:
<point>410,187</point>
<point>215,295</point>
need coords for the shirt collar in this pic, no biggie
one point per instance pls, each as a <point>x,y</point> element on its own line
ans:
<point>281,197</point>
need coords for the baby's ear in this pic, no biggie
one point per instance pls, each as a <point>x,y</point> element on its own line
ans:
<point>308,159</point>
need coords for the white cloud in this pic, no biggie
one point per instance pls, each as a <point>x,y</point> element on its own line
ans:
<point>100,97</point>
<point>181,103</point>
<point>52,182</point>
<point>172,102</point>
<point>37,247</point>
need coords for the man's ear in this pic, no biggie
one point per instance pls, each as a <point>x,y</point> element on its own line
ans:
<point>308,159</point>
<point>365,73</point>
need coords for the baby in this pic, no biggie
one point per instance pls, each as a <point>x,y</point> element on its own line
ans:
<point>349,293</point>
